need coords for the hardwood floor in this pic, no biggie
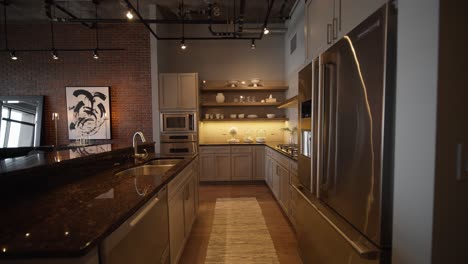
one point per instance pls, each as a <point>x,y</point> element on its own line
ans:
<point>280,230</point>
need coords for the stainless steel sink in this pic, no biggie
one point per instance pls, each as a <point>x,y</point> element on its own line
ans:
<point>164,162</point>
<point>146,170</point>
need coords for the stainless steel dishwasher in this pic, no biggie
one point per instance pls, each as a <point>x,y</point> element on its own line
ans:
<point>144,238</point>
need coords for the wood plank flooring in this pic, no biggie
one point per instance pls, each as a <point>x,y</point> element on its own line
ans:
<point>280,230</point>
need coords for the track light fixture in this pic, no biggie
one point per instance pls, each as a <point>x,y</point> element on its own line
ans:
<point>95,54</point>
<point>13,55</point>
<point>266,31</point>
<point>182,45</point>
<point>129,14</point>
<point>252,45</point>
<point>54,54</point>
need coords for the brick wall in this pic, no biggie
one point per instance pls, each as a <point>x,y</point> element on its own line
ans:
<point>128,73</point>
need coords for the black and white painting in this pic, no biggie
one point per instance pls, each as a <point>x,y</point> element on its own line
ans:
<point>88,112</point>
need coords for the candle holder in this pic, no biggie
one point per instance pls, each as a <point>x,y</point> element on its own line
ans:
<point>55,118</point>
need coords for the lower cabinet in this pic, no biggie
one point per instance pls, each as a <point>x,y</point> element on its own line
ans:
<point>278,172</point>
<point>232,163</point>
<point>183,206</point>
<point>259,163</point>
<point>241,166</point>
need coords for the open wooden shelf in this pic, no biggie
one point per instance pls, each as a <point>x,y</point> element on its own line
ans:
<point>245,89</point>
<point>239,104</point>
<point>245,119</point>
<point>290,103</point>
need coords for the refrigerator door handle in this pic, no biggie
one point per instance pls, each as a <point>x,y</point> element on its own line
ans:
<point>365,250</point>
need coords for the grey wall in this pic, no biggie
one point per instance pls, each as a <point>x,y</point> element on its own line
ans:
<point>415,130</point>
<point>224,59</point>
<point>295,61</point>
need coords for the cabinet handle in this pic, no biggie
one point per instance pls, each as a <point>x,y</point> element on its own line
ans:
<point>144,212</point>
<point>329,26</point>
<point>335,28</point>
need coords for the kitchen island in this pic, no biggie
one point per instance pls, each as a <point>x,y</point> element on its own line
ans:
<point>70,206</point>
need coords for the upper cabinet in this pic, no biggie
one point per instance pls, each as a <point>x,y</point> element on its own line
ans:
<point>350,13</point>
<point>178,91</point>
<point>327,21</point>
<point>319,15</point>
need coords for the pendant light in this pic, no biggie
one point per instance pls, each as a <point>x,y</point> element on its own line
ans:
<point>252,45</point>
<point>53,52</point>
<point>5,25</point>
<point>182,42</point>
<point>95,52</point>
<point>13,55</point>
<point>266,31</point>
<point>129,14</point>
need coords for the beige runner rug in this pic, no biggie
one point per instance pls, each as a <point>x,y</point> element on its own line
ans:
<point>239,234</point>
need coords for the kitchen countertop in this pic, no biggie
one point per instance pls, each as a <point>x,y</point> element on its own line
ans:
<point>41,158</point>
<point>71,219</point>
<point>271,145</point>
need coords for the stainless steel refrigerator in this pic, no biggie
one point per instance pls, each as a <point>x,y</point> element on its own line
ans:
<point>344,200</point>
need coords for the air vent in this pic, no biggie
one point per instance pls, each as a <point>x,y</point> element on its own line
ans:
<point>292,44</point>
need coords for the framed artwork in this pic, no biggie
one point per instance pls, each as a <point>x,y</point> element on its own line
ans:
<point>88,112</point>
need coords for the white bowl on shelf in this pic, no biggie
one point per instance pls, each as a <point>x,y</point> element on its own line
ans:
<point>252,116</point>
<point>271,115</point>
<point>233,116</point>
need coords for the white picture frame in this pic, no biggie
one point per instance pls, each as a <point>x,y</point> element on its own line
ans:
<point>88,112</point>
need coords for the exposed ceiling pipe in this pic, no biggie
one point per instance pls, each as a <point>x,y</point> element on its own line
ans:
<point>50,3</point>
<point>140,17</point>
<point>241,16</point>
<point>149,21</point>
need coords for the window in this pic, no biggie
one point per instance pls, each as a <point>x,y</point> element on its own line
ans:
<point>16,127</point>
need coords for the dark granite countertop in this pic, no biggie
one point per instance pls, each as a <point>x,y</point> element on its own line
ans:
<point>271,145</point>
<point>41,158</point>
<point>71,219</point>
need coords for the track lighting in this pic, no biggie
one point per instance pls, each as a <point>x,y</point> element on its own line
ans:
<point>182,45</point>
<point>13,55</point>
<point>54,55</point>
<point>253,46</point>
<point>129,14</point>
<point>266,31</point>
<point>95,54</point>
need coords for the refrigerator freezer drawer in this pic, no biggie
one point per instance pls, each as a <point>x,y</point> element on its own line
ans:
<point>321,242</point>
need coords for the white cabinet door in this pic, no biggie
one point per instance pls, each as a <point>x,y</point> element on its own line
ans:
<point>350,13</point>
<point>319,19</point>
<point>168,91</point>
<point>207,167</point>
<point>176,225</point>
<point>222,166</point>
<point>276,180</point>
<point>259,162</point>
<point>241,166</point>
<point>188,91</point>
<point>189,204</point>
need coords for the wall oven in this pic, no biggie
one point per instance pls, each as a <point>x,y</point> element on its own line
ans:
<point>181,144</point>
<point>174,122</point>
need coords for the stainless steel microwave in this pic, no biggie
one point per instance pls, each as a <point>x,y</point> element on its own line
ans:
<point>178,122</point>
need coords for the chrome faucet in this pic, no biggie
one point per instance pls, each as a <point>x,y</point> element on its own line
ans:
<point>135,145</point>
